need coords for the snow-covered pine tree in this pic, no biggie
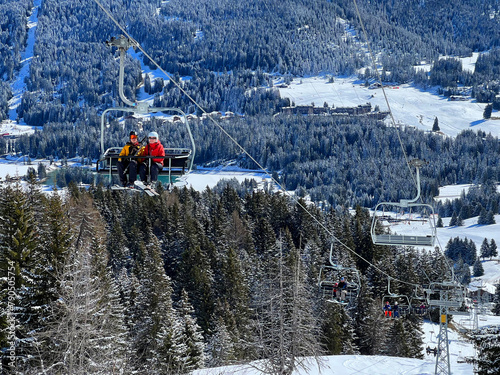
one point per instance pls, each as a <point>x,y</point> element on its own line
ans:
<point>119,254</point>
<point>196,276</point>
<point>485,249</point>
<point>85,333</point>
<point>413,327</point>
<point>191,336</point>
<point>371,325</point>
<point>454,219</point>
<point>233,299</point>
<point>285,328</point>
<point>18,244</point>
<point>487,341</point>
<point>397,344</point>
<point>493,248</point>
<point>477,269</point>
<point>156,330</point>
<point>55,242</point>
<point>337,330</point>
<point>221,348</point>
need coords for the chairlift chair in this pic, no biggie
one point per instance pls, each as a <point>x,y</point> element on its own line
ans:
<point>417,299</point>
<point>330,274</point>
<point>453,291</point>
<point>177,161</point>
<point>404,303</point>
<point>404,235</point>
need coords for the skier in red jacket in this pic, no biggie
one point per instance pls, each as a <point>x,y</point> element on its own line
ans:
<point>151,166</point>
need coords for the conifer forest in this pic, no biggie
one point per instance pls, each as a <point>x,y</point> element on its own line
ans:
<point>95,281</point>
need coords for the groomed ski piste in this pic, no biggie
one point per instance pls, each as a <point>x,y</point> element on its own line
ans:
<point>378,365</point>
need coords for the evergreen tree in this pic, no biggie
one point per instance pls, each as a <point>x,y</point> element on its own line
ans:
<point>338,331</point>
<point>86,333</point>
<point>191,336</point>
<point>414,329</point>
<point>493,248</point>
<point>487,341</point>
<point>156,331</point>
<point>454,219</point>
<point>371,326</point>
<point>18,261</point>
<point>477,269</point>
<point>486,217</point>
<point>221,346</point>
<point>435,125</point>
<point>397,339</point>
<point>439,223</point>
<point>234,297</point>
<point>485,249</point>
<point>487,111</point>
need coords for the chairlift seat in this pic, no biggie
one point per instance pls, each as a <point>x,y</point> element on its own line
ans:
<point>175,161</point>
<point>326,286</point>
<point>406,207</point>
<point>461,313</point>
<point>403,240</point>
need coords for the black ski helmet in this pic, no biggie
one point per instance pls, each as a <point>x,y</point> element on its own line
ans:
<point>132,133</point>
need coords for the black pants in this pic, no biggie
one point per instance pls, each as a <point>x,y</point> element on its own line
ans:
<point>153,173</point>
<point>132,171</point>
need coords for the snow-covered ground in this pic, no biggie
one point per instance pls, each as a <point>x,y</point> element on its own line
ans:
<point>409,104</point>
<point>17,85</point>
<point>381,365</point>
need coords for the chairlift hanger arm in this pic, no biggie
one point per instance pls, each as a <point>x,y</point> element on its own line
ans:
<point>123,44</point>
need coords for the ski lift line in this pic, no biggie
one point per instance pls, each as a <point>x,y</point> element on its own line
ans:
<point>186,93</point>
<point>138,45</point>
<point>295,199</point>
<point>415,179</point>
<point>374,63</point>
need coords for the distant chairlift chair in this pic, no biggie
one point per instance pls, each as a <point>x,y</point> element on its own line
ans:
<point>330,274</point>
<point>404,238</point>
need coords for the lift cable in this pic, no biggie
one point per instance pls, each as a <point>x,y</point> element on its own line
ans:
<point>374,64</point>
<point>137,44</point>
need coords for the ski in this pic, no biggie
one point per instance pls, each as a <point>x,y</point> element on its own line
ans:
<point>148,190</point>
<point>123,188</point>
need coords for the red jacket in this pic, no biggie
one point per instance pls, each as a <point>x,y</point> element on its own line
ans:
<point>153,149</point>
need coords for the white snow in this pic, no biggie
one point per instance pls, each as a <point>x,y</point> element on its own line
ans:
<point>380,365</point>
<point>209,177</point>
<point>410,105</point>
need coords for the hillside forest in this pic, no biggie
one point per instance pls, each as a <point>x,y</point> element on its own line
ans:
<point>106,280</point>
<point>99,282</point>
